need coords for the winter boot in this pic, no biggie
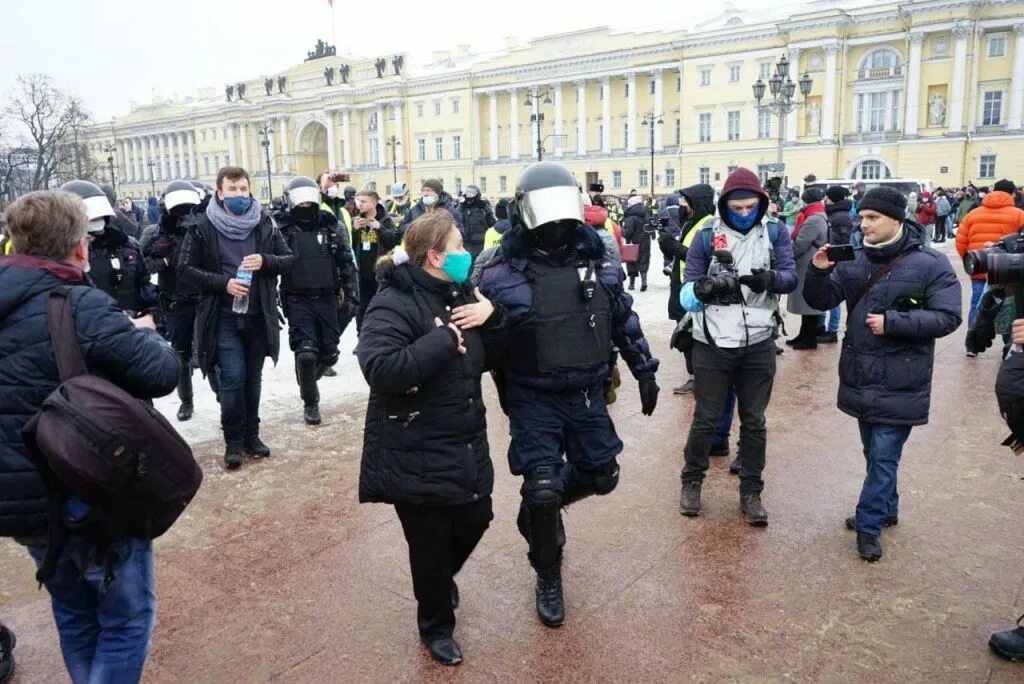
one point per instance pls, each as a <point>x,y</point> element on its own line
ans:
<point>1009,644</point>
<point>689,499</point>
<point>868,547</point>
<point>753,510</point>
<point>550,602</point>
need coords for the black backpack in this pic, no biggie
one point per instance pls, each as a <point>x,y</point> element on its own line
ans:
<point>95,441</point>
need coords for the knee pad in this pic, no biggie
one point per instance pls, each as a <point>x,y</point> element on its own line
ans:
<point>306,358</point>
<point>583,483</point>
<point>328,360</point>
<point>543,487</point>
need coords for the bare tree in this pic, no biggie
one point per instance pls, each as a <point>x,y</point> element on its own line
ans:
<point>52,119</point>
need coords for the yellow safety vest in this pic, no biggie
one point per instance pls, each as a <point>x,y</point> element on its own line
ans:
<point>5,245</point>
<point>324,206</point>
<point>688,240</point>
<point>492,238</point>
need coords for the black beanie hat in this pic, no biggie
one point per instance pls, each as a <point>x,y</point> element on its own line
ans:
<point>1005,186</point>
<point>837,193</point>
<point>886,201</point>
<point>812,196</point>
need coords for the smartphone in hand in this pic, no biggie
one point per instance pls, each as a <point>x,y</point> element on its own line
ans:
<point>840,253</point>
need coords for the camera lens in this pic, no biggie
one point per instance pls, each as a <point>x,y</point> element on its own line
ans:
<point>975,262</point>
<point>1005,268</point>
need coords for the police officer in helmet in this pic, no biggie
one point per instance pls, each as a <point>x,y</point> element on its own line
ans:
<point>566,310</point>
<point>116,265</point>
<point>178,300</point>
<point>322,279</point>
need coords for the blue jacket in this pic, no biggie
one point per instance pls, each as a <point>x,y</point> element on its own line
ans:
<point>418,209</point>
<point>506,283</point>
<point>888,379</point>
<point>139,361</point>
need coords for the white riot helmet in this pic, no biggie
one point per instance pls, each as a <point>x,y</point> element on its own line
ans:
<point>97,206</point>
<point>180,195</point>
<point>302,189</point>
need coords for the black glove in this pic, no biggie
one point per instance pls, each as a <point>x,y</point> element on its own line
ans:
<point>983,332</point>
<point>759,279</point>
<point>648,395</point>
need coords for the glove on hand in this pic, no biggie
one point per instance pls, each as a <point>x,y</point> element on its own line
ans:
<point>759,280</point>
<point>648,395</point>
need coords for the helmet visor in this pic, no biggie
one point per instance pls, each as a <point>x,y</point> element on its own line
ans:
<point>98,207</point>
<point>547,205</point>
<point>297,196</point>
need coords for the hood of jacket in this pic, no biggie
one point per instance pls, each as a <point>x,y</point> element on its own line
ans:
<point>595,216</point>
<point>23,277</point>
<point>997,200</point>
<point>407,278</point>
<point>637,210</point>
<point>701,198</point>
<point>742,179</point>
<point>840,207</point>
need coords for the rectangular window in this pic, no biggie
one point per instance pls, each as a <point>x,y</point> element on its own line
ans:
<point>734,74</point>
<point>987,166</point>
<point>483,183</point>
<point>600,135</point>
<point>421,149</point>
<point>625,135</point>
<point>458,185</point>
<point>679,131</point>
<point>670,178</point>
<point>733,125</point>
<point>616,179</point>
<point>419,110</point>
<point>374,152</point>
<point>705,77</point>
<point>600,92</point>
<point>878,104</point>
<point>455,106</point>
<point>437,108</point>
<point>214,131</point>
<point>202,134</point>
<point>439,148</point>
<point>730,169</point>
<point>642,179</point>
<point>206,164</point>
<point>992,108</point>
<point>705,127</point>
<point>679,84</point>
<point>502,184</point>
<point>996,46</point>
<point>653,86</point>
<point>705,175</point>
<point>625,90</point>
<point>457,146</point>
<point>764,123</point>
<point>764,71</point>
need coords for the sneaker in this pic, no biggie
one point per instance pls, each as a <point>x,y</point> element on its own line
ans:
<point>753,510</point>
<point>234,456</point>
<point>868,547</point>
<point>685,388</point>
<point>311,414</point>
<point>1009,644</point>
<point>719,449</point>
<point>828,338</point>
<point>256,448</point>
<point>889,521</point>
<point>689,499</point>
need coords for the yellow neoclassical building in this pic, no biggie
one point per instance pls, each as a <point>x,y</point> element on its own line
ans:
<point>926,89</point>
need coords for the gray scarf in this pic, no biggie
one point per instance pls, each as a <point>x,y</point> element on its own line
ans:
<point>234,227</point>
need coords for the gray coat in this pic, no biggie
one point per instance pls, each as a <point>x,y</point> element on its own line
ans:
<point>813,234</point>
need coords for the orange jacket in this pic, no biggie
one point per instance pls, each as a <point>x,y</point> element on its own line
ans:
<point>996,218</point>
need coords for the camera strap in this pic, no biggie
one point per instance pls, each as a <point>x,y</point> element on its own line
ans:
<point>851,304</point>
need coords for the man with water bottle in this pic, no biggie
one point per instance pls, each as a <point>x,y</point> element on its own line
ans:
<point>233,255</point>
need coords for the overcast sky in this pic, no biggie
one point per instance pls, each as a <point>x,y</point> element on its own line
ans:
<point>111,52</point>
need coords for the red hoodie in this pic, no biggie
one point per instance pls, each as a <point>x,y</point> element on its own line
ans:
<point>597,217</point>
<point>742,179</point>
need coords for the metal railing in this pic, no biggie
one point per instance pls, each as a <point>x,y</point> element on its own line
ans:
<point>880,72</point>
<point>868,137</point>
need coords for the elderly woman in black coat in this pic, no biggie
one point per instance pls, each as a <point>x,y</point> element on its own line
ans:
<point>425,450</point>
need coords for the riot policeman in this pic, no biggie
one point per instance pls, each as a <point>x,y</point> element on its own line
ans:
<point>566,309</point>
<point>178,300</point>
<point>323,279</point>
<point>116,265</point>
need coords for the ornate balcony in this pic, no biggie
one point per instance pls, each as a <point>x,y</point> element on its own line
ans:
<point>869,137</point>
<point>880,73</point>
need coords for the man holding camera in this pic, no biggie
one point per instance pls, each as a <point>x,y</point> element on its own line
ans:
<point>736,268</point>
<point>901,296</point>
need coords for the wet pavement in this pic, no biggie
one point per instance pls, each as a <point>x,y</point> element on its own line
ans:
<point>277,573</point>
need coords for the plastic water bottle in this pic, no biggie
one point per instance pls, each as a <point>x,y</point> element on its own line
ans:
<point>241,304</point>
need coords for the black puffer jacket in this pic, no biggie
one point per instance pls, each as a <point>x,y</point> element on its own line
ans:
<point>137,360</point>
<point>477,217</point>
<point>840,222</point>
<point>634,230</point>
<point>425,440</point>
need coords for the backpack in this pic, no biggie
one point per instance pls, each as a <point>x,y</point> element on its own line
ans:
<point>95,441</point>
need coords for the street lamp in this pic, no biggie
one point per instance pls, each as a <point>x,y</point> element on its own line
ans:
<point>109,148</point>
<point>266,131</point>
<point>534,100</point>
<point>155,161</point>
<point>651,120</point>
<point>782,103</point>
<point>393,142</point>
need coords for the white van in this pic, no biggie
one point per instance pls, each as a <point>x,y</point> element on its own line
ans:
<point>904,185</point>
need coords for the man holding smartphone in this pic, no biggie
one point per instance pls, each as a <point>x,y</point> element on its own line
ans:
<point>900,296</point>
<point>373,236</point>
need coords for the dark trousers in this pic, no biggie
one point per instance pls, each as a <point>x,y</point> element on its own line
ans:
<point>879,498</point>
<point>941,224</point>
<point>179,327</point>
<point>367,288</point>
<point>313,325</point>
<point>440,539</point>
<point>751,372</point>
<point>241,349</point>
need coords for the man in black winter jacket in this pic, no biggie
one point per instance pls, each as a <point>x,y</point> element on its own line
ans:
<point>840,231</point>
<point>477,217</point>
<point>104,625</point>
<point>236,321</point>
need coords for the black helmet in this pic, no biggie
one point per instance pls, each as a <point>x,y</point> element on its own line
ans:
<point>97,206</point>
<point>547,193</point>
<point>350,192</point>
<point>180,193</point>
<point>302,189</point>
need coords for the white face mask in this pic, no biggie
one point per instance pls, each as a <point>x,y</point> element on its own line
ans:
<point>429,200</point>
<point>332,191</point>
<point>97,225</point>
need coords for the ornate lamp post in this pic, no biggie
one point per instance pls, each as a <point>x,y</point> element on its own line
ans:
<point>534,100</point>
<point>155,161</point>
<point>651,120</point>
<point>783,102</point>
<point>110,148</point>
<point>266,131</point>
<point>393,142</point>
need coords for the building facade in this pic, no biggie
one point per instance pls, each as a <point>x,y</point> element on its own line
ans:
<point>928,89</point>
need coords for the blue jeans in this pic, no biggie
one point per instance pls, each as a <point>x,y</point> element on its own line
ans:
<point>104,633</point>
<point>879,498</point>
<point>724,425</point>
<point>833,317</point>
<point>241,350</point>
<point>977,290</point>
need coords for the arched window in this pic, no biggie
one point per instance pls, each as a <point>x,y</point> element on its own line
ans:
<point>883,62</point>
<point>872,169</point>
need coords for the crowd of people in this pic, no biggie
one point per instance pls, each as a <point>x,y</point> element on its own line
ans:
<point>533,290</point>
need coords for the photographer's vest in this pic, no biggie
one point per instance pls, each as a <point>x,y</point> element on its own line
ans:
<point>565,329</point>
<point>112,273</point>
<point>315,271</point>
<point>739,325</point>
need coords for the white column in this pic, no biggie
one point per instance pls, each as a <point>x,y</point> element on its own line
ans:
<point>559,123</point>
<point>137,153</point>
<point>794,75</point>
<point>193,167</point>
<point>606,116</point>
<point>229,160</point>
<point>958,89</point>
<point>1016,113</point>
<point>828,116</point>
<point>493,124</point>
<point>659,104</point>
<point>243,138</point>
<point>913,84</point>
<point>513,102</point>
<point>165,140</point>
<point>631,112</point>
<point>122,161</point>
<point>282,127</point>
<point>581,118</point>
<point>331,161</point>
<point>478,144</point>
<point>346,140</point>
<point>381,138</point>
<point>179,151</point>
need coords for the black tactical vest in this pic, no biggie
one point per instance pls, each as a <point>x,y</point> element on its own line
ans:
<point>113,274</point>
<point>168,281</point>
<point>569,325</point>
<point>315,270</point>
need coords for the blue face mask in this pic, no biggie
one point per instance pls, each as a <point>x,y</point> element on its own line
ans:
<point>741,223</point>
<point>239,206</point>
<point>457,266</point>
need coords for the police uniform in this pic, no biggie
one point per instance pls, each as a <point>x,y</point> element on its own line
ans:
<point>116,266</point>
<point>335,206</point>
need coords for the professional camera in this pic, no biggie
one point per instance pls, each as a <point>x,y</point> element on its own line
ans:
<point>656,223</point>
<point>722,288</point>
<point>1002,264</point>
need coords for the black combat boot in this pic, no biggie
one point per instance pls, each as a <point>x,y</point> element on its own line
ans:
<point>753,510</point>
<point>255,447</point>
<point>1009,644</point>
<point>186,409</point>
<point>868,547</point>
<point>311,414</point>
<point>689,499</point>
<point>234,456</point>
<point>550,603</point>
